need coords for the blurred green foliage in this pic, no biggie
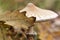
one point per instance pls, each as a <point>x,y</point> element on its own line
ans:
<point>14,4</point>
<point>57,5</point>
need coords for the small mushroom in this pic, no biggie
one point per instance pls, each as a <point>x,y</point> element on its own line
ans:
<point>39,13</point>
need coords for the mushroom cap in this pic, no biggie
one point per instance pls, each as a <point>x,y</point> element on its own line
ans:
<point>18,24</point>
<point>40,14</point>
<point>17,20</point>
<point>15,15</point>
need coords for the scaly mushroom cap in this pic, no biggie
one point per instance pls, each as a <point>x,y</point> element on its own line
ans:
<point>17,20</point>
<point>17,25</point>
<point>40,14</point>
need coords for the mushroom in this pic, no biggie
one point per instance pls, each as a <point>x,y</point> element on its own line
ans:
<point>10,16</point>
<point>39,13</point>
<point>17,20</point>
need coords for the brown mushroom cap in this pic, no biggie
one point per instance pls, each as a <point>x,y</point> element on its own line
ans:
<point>17,20</point>
<point>15,15</point>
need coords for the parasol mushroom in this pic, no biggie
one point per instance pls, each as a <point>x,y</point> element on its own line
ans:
<point>39,13</point>
<point>17,20</point>
<point>16,15</point>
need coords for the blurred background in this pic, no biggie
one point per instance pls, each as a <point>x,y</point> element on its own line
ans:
<point>15,4</point>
